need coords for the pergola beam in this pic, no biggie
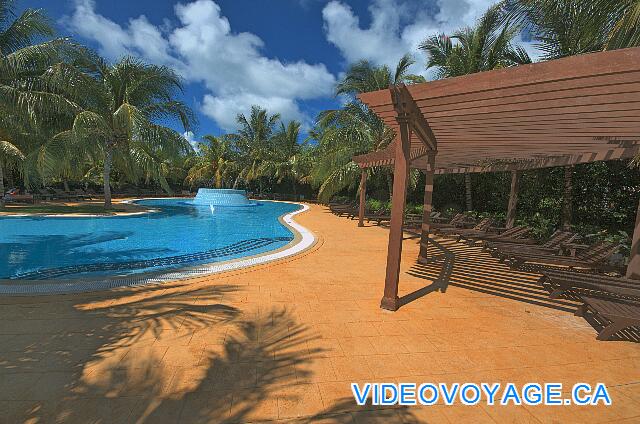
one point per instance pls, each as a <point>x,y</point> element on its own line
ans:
<point>418,122</point>
<point>390,300</point>
<point>621,153</point>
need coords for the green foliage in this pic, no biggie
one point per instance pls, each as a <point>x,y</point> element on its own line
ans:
<point>569,27</point>
<point>481,48</point>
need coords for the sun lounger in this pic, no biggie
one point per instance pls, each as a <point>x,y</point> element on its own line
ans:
<point>619,315</point>
<point>570,283</point>
<point>481,226</point>
<point>507,249</point>
<point>511,235</point>
<point>19,198</point>
<point>342,209</point>
<point>593,258</point>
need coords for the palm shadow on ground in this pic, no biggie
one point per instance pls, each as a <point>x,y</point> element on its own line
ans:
<point>167,353</point>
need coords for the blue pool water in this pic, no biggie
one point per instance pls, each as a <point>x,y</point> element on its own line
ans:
<point>181,234</point>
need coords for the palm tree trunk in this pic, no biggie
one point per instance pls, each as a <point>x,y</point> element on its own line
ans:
<point>66,185</point>
<point>108,156</point>
<point>1,185</point>
<point>236,182</point>
<point>389,183</point>
<point>468,194</point>
<point>10,182</point>
<point>567,198</point>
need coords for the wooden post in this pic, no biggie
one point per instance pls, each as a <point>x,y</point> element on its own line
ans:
<point>567,197</point>
<point>427,205</point>
<point>363,198</point>
<point>390,299</point>
<point>633,269</point>
<point>467,191</point>
<point>513,199</point>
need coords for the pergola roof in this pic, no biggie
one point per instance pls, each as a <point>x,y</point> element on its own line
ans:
<point>575,110</point>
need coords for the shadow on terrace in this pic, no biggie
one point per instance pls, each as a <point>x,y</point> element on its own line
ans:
<point>459,265</point>
<point>166,353</point>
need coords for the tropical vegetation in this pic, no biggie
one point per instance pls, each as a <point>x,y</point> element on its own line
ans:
<point>70,118</point>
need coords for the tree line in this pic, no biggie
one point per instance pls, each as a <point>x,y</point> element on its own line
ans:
<point>69,116</point>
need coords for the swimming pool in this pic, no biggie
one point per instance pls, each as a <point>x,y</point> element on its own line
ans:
<point>179,234</point>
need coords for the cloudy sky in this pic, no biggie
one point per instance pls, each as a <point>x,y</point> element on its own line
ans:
<point>285,55</point>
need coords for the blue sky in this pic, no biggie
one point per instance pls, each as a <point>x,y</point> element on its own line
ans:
<point>285,55</point>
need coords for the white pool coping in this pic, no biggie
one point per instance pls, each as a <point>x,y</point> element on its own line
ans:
<point>303,240</point>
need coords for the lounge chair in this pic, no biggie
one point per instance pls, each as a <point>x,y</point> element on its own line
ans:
<point>506,249</point>
<point>19,198</point>
<point>342,209</point>
<point>460,220</point>
<point>481,226</point>
<point>572,284</point>
<point>593,258</point>
<point>511,235</point>
<point>619,315</point>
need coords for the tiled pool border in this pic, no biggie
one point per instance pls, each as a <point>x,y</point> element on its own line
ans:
<point>303,240</point>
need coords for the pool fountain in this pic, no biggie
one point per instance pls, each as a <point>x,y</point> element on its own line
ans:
<point>222,197</point>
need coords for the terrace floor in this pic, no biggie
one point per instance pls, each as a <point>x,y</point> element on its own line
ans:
<point>284,341</point>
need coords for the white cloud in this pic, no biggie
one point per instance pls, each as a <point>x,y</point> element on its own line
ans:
<point>224,109</point>
<point>190,137</point>
<point>397,28</point>
<point>203,48</point>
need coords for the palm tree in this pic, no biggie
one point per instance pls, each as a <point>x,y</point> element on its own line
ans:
<point>253,141</point>
<point>625,30</point>
<point>354,129</point>
<point>289,159</point>
<point>363,77</point>
<point>484,47</point>
<point>215,164</point>
<point>9,154</point>
<point>27,109</point>
<point>569,27</point>
<point>121,104</point>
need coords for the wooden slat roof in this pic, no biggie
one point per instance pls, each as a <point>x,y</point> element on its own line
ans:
<point>574,110</point>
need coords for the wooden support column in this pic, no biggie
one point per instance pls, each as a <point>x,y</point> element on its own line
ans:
<point>363,198</point>
<point>633,269</point>
<point>513,199</point>
<point>467,191</point>
<point>567,197</point>
<point>390,299</point>
<point>428,207</point>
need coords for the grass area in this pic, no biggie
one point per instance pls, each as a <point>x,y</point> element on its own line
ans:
<point>83,208</point>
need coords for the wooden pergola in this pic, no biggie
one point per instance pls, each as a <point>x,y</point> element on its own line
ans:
<point>564,112</point>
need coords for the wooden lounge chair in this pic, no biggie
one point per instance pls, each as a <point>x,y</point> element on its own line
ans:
<point>593,258</point>
<point>19,198</point>
<point>415,220</point>
<point>460,220</point>
<point>342,208</point>
<point>619,315</point>
<point>511,235</point>
<point>572,284</point>
<point>506,249</point>
<point>481,226</point>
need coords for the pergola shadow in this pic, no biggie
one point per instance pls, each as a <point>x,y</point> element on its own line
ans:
<point>463,266</point>
<point>442,262</point>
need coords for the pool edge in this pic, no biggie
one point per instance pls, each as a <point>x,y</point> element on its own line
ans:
<point>303,240</point>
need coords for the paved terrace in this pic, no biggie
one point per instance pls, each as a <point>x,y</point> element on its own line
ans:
<point>283,342</point>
